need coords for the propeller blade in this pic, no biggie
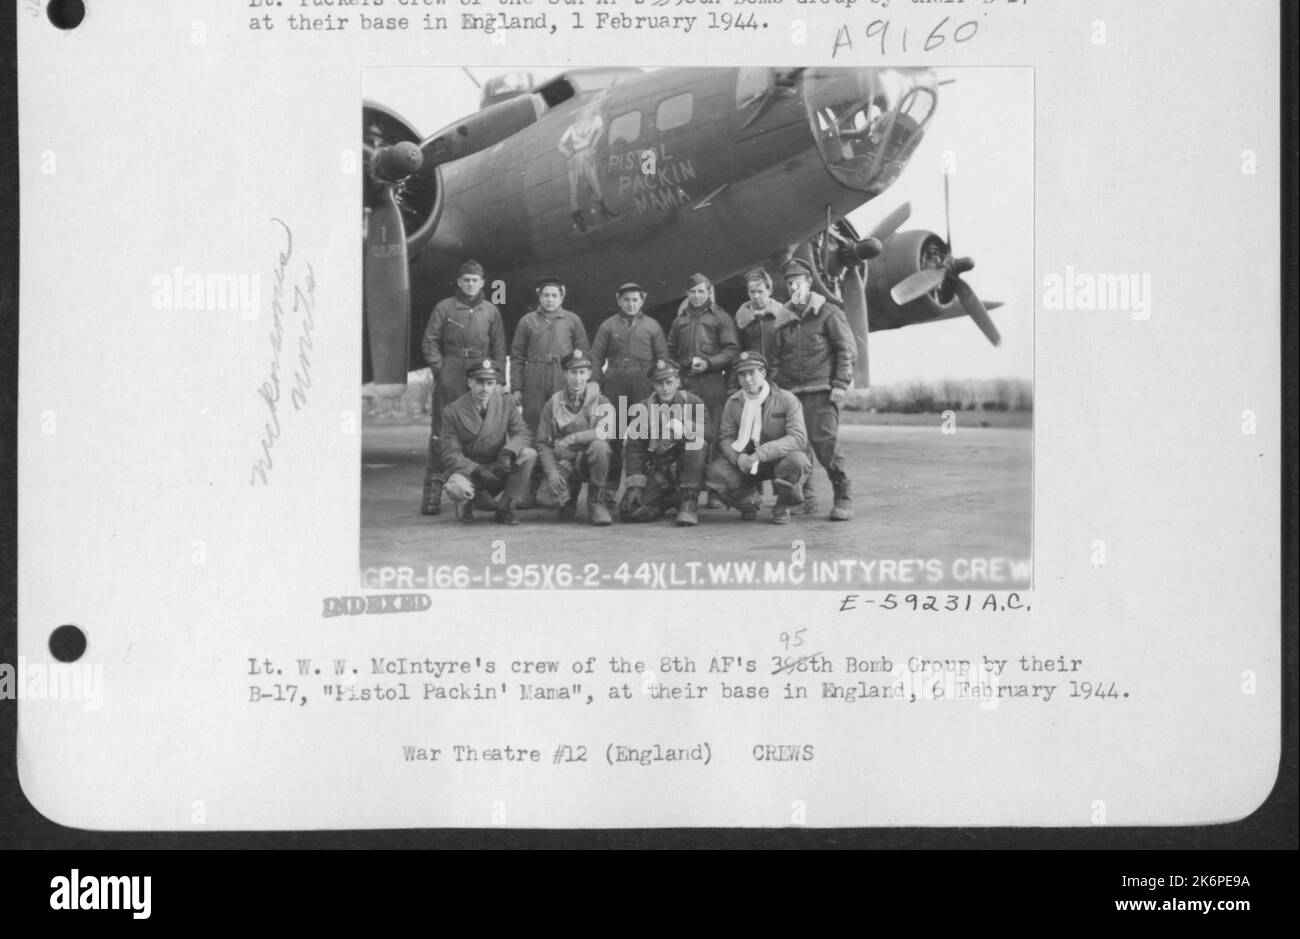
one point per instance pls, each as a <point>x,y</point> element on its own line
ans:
<point>947,219</point>
<point>855,308</point>
<point>387,294</point>
<point>976,311</point>
<point>917,285</point>
<point>891,222</point>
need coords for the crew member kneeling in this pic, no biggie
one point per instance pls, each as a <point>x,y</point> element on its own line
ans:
<point>665,460</point>
<point>571,445</point>
<point>485,447</point>
<point>761,436</point>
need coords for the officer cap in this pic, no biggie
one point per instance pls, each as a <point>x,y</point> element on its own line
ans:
<point>749,361</point>
<point>470,267</point>
<point>698,280</point>
<point>759,274</point>
<point>575,359</point>
<point>663,368</point>
<point>796,266</point>
<point>629,287</point>
<point>548,281</point>
<point>484,369</point>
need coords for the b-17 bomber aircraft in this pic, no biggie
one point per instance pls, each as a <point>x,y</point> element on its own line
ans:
<point>604,176</point>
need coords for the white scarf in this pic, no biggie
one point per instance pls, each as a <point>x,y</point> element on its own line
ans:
<point>751,421</point>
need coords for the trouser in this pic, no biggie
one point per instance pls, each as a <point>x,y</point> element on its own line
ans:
<point>461,487</point>
<point>735,487</point>
<point>542,378</point>
<point>624,386</point>
<point>822,417</point>
<point>582,168</point>
<point>450,385</point>
<point>712,389</point>
<point>577,465</point>
<point>667,477</point>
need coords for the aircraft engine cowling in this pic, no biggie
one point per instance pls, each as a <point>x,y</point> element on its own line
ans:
<point>903,255</point>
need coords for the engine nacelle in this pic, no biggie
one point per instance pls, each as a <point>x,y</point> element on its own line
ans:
<point>904,254</point>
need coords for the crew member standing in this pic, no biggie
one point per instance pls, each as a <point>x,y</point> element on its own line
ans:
<point>756,318</point>
<point>626,345</point>
<point>542,339</point>
<point>756,324</point>
<point>702,341</point>
<point>814,354</point>
<point>462,330</point>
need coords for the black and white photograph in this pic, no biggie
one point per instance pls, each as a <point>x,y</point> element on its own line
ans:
<point>685,305</point>
<point>740,419</point>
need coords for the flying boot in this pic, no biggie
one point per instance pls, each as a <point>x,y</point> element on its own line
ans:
<point>842,511</point>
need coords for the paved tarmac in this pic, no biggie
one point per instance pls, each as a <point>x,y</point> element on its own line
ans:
<point>934,512</point>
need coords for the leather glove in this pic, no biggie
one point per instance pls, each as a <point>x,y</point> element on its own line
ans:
<point>631,501</point>
<point>557,486</point>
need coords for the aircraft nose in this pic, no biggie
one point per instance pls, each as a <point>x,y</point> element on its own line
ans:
<point>867,122</point>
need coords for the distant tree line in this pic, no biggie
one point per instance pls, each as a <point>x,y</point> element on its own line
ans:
<point>935,397</point>
<point>910,397</point>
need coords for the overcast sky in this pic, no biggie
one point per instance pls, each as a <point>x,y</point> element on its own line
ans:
<point>985,118</point>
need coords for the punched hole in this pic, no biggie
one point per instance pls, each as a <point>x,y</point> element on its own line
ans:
<point>67,643</point>
<point>66,14</point>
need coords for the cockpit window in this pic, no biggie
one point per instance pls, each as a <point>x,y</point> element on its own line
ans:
<point>625,128</point>
<point>675,111</point>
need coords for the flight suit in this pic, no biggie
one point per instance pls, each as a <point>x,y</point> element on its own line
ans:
<point>587,459</point>
<point>625,347</point>
<point>664,466</point>
<point>471,443</point>
<point>457,337</point>
<point>710,334</point>
<point>541,340</point>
